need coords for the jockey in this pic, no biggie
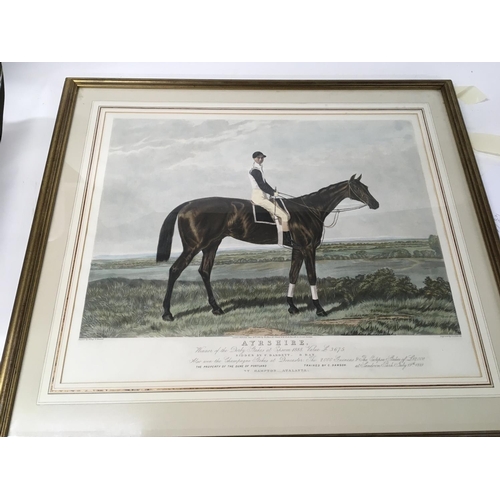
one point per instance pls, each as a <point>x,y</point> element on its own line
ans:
<point>263,195</point>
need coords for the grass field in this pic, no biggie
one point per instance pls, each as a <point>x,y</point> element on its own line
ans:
<point>118,307</point>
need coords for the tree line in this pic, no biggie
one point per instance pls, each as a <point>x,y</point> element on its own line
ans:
<point>383,284</point>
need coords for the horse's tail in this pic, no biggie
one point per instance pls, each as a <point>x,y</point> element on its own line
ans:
<point>166,234</point>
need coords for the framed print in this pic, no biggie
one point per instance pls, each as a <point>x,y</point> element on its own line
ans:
<point>257,258</point>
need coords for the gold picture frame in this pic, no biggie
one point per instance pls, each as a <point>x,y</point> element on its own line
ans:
<point>444,383</point>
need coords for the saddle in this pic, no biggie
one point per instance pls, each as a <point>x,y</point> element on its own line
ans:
<point>262,216</point>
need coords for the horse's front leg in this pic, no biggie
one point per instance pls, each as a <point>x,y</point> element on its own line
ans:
<point>205,271</point>
<point>297,259</point>
<point>311,275</point>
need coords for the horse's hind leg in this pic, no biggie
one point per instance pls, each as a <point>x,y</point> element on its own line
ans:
<point>175,271</point>
<point>205,271</point>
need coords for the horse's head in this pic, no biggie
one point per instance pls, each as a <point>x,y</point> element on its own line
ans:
<point>359,192</point>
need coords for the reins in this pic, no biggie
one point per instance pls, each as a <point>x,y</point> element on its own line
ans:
<point>336,211</point>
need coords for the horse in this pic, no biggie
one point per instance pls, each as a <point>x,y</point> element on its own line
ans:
<point>203,223</point>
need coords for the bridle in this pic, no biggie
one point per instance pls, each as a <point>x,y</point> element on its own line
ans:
<point>335,211</point>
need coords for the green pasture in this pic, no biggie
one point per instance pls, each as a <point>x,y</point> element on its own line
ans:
<point>375,304</point>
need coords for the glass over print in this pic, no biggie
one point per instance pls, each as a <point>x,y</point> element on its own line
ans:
<point>360,277</point>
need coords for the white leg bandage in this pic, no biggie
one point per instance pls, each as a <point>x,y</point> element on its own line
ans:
<point>291,289</point>
<point>314,292</point>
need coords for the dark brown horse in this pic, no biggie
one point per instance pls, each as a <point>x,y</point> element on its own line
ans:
<point>205,222</point>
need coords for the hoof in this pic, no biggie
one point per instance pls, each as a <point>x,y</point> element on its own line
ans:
<point>321,313</point>
<point>293,310</point>
<point>218,311</point>
<point>168,317</point>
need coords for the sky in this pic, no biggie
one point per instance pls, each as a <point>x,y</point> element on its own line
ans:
<point>155,164</point>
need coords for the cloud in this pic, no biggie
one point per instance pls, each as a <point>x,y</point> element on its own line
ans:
<point>154,165</point>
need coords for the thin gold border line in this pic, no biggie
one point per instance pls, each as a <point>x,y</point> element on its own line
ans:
<point>452,229</point>
<point>71,282</point>
<point>239,388</point>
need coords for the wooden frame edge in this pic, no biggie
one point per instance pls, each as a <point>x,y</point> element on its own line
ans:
<point>12,359</point>
<point>473,177</point>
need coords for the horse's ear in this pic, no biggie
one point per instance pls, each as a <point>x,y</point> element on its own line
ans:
<point>359,178</point>
<point>352,178</point>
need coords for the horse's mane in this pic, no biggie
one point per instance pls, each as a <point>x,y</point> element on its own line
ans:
<point>320,192</point>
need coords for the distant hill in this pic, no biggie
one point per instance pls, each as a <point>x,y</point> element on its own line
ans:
<point>368,250</point>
